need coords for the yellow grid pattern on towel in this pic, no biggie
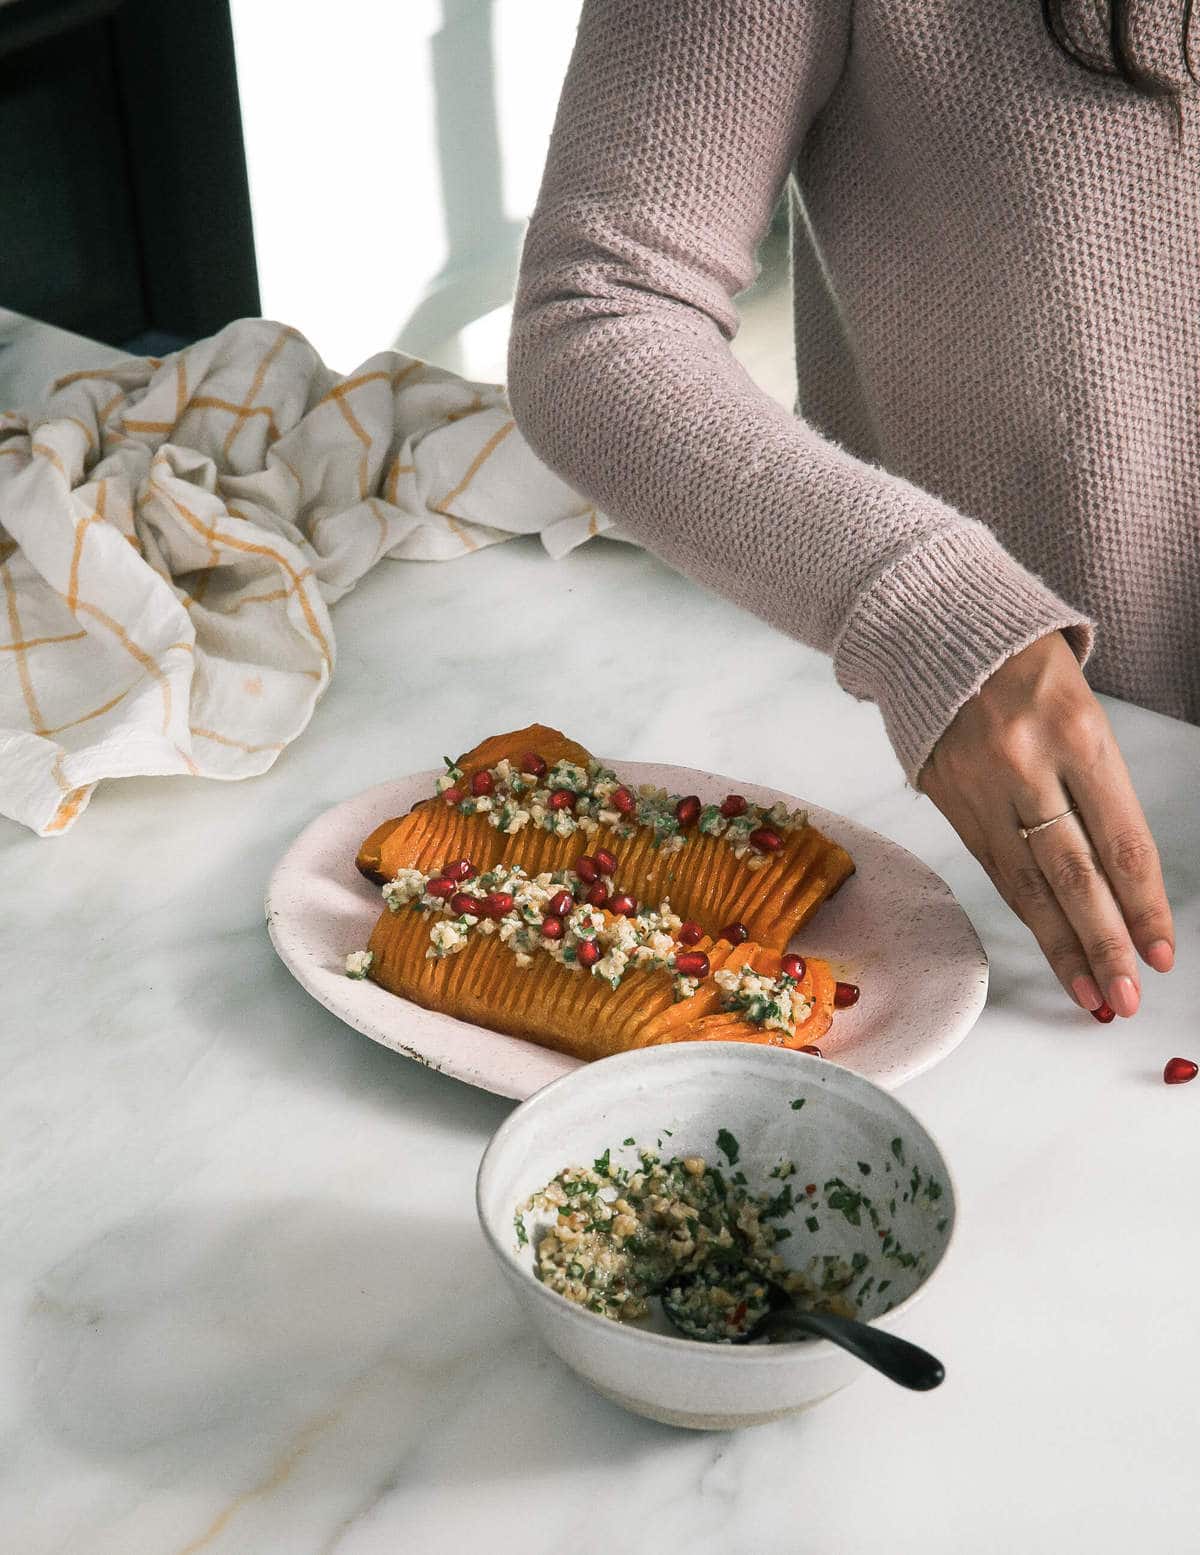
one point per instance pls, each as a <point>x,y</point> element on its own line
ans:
<point>161,514</point>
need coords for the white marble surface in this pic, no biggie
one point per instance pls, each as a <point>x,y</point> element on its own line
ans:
<point>244,1304</point>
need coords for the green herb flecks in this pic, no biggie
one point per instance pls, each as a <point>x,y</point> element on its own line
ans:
<point>728,1145</point>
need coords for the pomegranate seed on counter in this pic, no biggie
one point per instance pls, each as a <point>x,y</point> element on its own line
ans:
<point>691,963</point>
<point>461,902</point>
<point>588,952</point>
<point>606,862</point>
<point>844,995</point>
<point>533,764</point>
<point>623,904</point>
<point>623,801</point>
<point>560,904</point>
<point>687,811</point>
<point>552,928</point>
<point>793,966</point>
<point>561,799</point>
<point>765,840</point>
<point>1179,1071</point>
<point>735,933</point>
<point>733,804</point>
<point>815,1051</point>
<point>483,783</point>
<point>453,795</point>
<point>1103,1012</point>
<point>689,933</point>
<point>597,895</point>
<point>497,903</point>
<point>442,889</point>
<point>461,869</point>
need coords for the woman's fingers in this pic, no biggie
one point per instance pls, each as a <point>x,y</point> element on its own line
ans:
<point>1117,827</point>
<point>990,837</point>
<point>1066,863</point>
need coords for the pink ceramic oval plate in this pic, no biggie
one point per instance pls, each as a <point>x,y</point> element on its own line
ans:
<point>894,928</point>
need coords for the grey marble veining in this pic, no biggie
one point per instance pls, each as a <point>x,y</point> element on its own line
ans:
<point>244,1304</point>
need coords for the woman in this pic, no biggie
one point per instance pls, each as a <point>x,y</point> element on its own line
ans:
<point>992,476</point>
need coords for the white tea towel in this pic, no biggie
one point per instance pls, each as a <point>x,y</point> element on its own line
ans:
<point>172,533</point>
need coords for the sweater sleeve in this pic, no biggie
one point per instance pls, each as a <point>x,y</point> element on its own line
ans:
<point>676,129</point>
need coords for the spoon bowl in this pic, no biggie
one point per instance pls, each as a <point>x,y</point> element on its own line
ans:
<point>766,1311</point>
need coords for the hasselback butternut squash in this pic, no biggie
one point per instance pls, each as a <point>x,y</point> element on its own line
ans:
<point>537,799</point>
<point>587,981</point>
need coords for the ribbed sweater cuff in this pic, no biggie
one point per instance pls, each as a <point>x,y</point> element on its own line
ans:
<point>927,633</point>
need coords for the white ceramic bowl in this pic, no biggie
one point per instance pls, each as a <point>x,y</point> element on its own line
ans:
<point>695,1089</point>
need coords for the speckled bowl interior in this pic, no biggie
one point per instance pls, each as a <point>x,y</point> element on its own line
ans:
<point>883,1201</point>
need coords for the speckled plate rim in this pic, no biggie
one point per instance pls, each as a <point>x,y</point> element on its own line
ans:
<point>894,928</point>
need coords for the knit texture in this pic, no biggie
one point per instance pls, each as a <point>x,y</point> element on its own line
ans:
<point>996,281</point>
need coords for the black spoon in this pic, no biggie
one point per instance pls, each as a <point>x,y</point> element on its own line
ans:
<point>783,1320</point>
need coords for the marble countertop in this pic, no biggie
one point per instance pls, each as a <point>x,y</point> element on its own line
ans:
<point>244,1304</point>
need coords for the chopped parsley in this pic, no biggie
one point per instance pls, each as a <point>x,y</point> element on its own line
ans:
<point>728,1145</point>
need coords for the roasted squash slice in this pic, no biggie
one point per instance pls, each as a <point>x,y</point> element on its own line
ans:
<point>571,1010</point>
<point>771,893</point>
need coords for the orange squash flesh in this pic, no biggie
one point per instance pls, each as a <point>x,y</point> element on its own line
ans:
<point>572,1011</point>
<point>704,880</point>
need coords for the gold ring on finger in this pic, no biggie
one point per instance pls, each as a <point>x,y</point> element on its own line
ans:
<point>1028,831</point>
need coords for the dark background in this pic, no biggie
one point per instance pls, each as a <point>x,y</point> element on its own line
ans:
<point>124,205</point>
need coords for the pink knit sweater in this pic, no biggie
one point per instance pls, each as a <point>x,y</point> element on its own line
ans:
<point>996,277</point>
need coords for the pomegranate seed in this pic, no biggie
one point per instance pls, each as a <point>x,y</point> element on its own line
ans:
<point>735,933</point>
<point>497,903</point>
<point>483,783</point>
<point>461,902</point>
<point>1179,1071</point>
<point>588,953</point>
<point>532,764</point>
<point>453,795</point>
<point>689,933</point>
<point>442,889</point>
<point>560,904</point>
<point>552,928</point>
<point>606,862</point>
<point>733,804</point>
<point>1103,1012</point>
<point>562,799</point>
<point>844,995</point>
<point>461,869</point>
<point>585,868</point>
<point>597,895</point>
<point>810,1188</point>
<point>793,966</point>
<point>766,840</point>
<point>623,904</point>
<point>621,799</point>
<point>815,1051</point>
<point>691,963</point>
<point>687,811</point>
<point>736,1316</point>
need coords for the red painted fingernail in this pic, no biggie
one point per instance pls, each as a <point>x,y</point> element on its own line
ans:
<point>1085,990</point>
<point>1160,955</point>
<point>1123,995</point>
<point>1105,1013</point>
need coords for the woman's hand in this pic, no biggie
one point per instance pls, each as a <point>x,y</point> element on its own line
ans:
<point>1033,742</point>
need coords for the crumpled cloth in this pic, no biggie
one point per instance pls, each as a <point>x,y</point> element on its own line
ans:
<point>173,532</point>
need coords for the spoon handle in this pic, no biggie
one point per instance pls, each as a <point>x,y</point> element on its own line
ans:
<point>896,1358</point>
